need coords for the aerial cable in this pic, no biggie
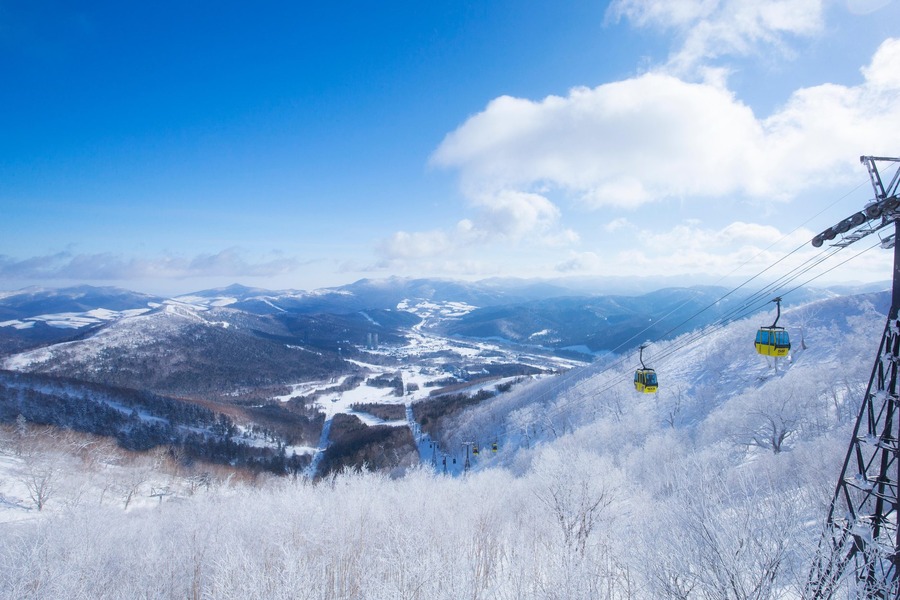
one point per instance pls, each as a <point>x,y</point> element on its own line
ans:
<point>743,264</point>
<point>819,258</point>
<point>742,310</point>
<point>746,311</point>
<point>673,348</point>
<point>778,241</point>
<point>860,253</point>
<point>746,262</point>
<point>748,306</point>
<point>822,256</point>
<point>726,318</point>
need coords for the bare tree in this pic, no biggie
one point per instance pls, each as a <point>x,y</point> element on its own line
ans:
<point>38,477</point>
<point>722,538</point>
<point>575,495</point>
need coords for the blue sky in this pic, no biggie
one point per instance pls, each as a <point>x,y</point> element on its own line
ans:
<point>172,146</point>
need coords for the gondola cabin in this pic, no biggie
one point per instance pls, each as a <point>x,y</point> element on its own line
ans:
<point>772,341</point>
<point>494,447</point>
<point>645,381</point>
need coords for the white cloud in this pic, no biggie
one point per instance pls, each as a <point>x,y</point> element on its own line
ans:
<point>583,262</point>
<point>711,29</point>
<point>691,248</point>
<point>690,236</point>
<point>882,73</point>
<point>663,13</point>
<point>504,216</point>
<point>514,214</point>
<point>864,7</point>
<point>107,266</point>
<point>623,143</point>
<point>407,245</point>
<point>617,225</point>
<point>665,135</point>
<point>655,137</point>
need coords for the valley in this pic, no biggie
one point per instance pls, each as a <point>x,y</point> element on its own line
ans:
<point>595,490</point>
<point>276,374</point>
<point>374,374</point>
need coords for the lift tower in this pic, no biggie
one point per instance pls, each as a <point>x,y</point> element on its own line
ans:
<point>861,533</point>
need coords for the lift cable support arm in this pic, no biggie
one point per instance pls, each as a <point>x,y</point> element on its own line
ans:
<point>879,213</point>
<point>777,302</point>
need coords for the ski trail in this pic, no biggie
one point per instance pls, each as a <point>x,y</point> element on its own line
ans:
<point>320,450</point>
<point>416,431</point>
<point>428,450</point>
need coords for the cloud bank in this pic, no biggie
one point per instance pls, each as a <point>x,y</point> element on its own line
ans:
<point>707,30</point>
<point>657,136</point>
<point>109,267</point>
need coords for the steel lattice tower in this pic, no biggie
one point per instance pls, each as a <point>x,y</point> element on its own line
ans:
<point>861,533</point>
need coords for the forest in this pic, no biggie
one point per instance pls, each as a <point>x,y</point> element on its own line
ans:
<point>714,488</point>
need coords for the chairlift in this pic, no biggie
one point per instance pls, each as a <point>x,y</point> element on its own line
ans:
<point>494,447</point>
<point>645,380</point>
<point>772,340</point>
<point>475,449</point>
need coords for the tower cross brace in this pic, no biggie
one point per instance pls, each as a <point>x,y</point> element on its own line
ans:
<point>861,532</point>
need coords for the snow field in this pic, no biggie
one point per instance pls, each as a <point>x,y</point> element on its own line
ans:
<point>609,494</point>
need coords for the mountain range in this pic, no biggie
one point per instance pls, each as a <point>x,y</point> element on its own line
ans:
<point>719,482</point>
<point>277,359</point>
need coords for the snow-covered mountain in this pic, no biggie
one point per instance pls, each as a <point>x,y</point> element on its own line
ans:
<point>702,373</point>
<point>37,316</point>
<point>203,345</point>
<point>182,348</point>
<point>524,312</point>
<point>715,487</point>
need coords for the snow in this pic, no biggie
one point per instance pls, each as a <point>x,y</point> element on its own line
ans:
<point>325,292</point>
<point>23,361</point>
<point>15,505</point>
<point>266,301</point>
<point>681,500</point>
<point>370,319</point>
<point>18,324</point>
<point>129,331</point>
<point>424,360</point>
<point>75,320</point>
<point>541,333</point>
<point>430,310</point>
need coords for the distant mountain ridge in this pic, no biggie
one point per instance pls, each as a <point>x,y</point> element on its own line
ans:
<point>533,312</point>
<point>292,372</point>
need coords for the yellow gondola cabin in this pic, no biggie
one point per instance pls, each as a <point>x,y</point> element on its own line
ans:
<point>645,379</point>
<point>772,340</point>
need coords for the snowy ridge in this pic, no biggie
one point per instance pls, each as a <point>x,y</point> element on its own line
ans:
<point>698,379</point>
<point>604,493</point>
<point>75,320</point>
<point>133,330</point>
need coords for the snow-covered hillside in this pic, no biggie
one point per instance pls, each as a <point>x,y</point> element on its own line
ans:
<point>716,487</point>
<point>701,374</point>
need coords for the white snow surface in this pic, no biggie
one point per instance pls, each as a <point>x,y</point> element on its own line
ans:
<point>681,496</point>
<point>132,330</point>
<point>74,320</point>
